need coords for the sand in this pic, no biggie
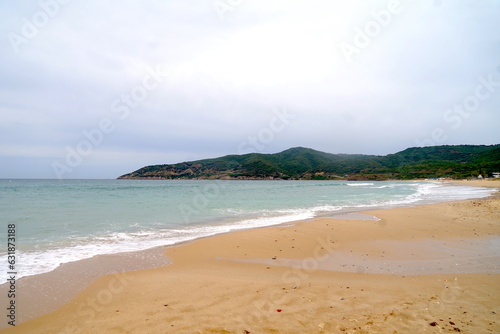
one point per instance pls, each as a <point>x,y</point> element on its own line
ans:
<point>424,269</point>
<point>56,288</point>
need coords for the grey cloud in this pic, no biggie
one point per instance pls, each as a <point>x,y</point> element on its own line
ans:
<point>227,76</point>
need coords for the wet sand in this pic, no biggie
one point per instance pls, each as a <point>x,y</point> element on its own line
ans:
<point>413,268</point>
<point>40,294</point>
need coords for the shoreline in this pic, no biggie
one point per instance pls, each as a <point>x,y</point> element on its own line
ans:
<point>170,251</point>
<point>226,224</point>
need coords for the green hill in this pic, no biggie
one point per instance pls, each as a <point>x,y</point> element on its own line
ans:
<point>460,161</point>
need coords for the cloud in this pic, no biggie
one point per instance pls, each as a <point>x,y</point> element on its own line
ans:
<point>227,76</point>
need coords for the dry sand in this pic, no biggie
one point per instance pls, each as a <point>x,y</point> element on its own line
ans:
<point>424,269</point>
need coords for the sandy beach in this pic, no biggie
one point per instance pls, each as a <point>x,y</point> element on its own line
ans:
<point>424,269</point>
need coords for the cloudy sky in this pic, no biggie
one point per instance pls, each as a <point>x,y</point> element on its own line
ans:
<point>96,89</point>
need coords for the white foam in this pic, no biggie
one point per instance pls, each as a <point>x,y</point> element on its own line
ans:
<point>431,192</point>
<point>359,184</point>
<point>394,185</point>
<point>437,192</point>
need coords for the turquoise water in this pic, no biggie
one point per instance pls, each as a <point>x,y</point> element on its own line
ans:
<point>63,221</point>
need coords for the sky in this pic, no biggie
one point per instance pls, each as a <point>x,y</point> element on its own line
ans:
<point>97,89</point>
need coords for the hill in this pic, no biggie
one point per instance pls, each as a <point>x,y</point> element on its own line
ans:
<point>459,161</point>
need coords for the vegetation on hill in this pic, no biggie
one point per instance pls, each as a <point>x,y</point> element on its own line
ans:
<point>458,162</point>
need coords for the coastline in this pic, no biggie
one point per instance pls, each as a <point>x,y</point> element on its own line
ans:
<point>221,260</point>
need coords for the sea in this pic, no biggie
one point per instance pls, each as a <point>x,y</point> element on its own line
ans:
<point>61,221</point>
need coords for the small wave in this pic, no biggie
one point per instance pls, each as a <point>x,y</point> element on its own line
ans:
<point>36,262</point>
<point>395,185</point>
<point>359,184</point>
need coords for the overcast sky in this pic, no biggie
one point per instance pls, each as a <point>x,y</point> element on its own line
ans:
<point>96,88</point>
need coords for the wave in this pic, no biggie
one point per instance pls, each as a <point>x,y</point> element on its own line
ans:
<point>359,184</point>
<point>395,185</point>
<point>37,262</point>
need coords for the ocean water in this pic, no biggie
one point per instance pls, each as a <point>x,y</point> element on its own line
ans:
<point>63,221</point>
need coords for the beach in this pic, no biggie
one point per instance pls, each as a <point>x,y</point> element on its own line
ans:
<point>422,269</point>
